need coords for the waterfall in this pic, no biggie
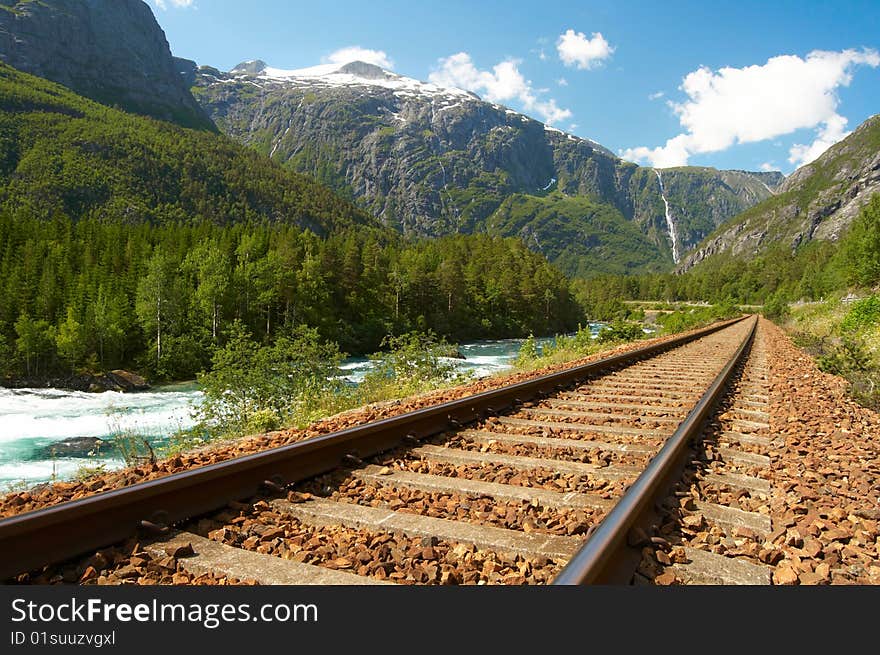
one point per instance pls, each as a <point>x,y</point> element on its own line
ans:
<point>670,223</point>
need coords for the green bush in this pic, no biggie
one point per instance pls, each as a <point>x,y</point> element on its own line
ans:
<point>864,313</point>
<point>621,331</point>
<point>776,308</point>
<point>254,387</point>
<point>528,351</point>
<point>409,363</point>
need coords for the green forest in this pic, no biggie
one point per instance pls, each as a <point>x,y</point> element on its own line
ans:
<point>102,295</point>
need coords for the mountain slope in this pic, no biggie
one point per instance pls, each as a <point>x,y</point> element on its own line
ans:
<point>817,202</point>
<point>431,161</point>
<point>61,153</point>
<point>112,51</point>
<point>581,236</point>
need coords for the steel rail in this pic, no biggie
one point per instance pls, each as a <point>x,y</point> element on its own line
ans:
<point>608,554</point>
<point>40,537</point>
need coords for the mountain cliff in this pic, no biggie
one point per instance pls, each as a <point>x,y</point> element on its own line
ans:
<point>817,201</point>
<point>430,161</point>
<point>112,51</point>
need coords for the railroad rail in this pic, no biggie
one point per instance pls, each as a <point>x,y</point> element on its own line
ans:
<point>612,432</point>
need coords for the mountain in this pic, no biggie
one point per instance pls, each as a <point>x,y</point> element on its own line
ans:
<point>431,161</point>
<point>112,51</point>
<point>62,154</point>
<point>817,202</point>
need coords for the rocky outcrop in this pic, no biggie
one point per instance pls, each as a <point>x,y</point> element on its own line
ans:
<point>117,380</point>
<point>432,161</point>
<point>112,51</point>
<point>817,201</point>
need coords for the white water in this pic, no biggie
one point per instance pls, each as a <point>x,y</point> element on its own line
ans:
<point>32,421</point>
<point>35,420</point>
<point>670,223</point>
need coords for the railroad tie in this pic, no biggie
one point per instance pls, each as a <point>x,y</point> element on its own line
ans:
<point>750,425</point>
<point>754,404</point>
<point>731,518</point>
<point>507,492</point>
<point>459,456</point>
<point>320,512</point>
<point>587,392</point>
<point>745,439</point>
<point>486,437</point>
<point>546,411</point>
<point>215,557</point>
<point>739,481</point>
<point>660,409</point>
<point>740,457</point>
<point>711,568</point>
<point>760,416</point>
<point>582,427</point>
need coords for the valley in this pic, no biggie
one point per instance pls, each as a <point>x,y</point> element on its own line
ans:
<point>373,315</point>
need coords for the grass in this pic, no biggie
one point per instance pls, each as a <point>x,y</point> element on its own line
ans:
<point>844,339</point>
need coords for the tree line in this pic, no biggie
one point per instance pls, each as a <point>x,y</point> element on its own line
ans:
<point>97,295</point>
<point>780,274</point>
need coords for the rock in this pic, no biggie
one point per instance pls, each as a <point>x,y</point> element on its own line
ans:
<point>128,381</point>
<point>75,447</point>
<point>745,533</point>
<point>89,574</point>
<point>272,533</point>
<point>694,521</point>
<point>127,571</point>
<point>112,51</point>
<point>177,552</point>
<point>812,548</point>
<point>784,574</point>
<point>808,578</point>
<point>666,578</point>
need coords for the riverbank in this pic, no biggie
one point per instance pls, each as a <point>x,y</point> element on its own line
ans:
<point>116,380</point>
<point>62,434</point>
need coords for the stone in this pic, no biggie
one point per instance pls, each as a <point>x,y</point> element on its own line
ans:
<point>666,578</point>
<point>784,574</point>
<point>176,551</point>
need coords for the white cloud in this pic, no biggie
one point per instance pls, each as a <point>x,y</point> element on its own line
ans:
<point>356,53</point>
<point>181,4</point>
<point>834,130</point>
<point>503,83</point>
<point>562,81</point>
<point>767,167</point>
<point>756,103</point>
<point>656,96</point>
<point>575,49</point>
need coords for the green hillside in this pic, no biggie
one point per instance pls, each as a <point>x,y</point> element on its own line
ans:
<point>582,237</point>
<point>63,154</point>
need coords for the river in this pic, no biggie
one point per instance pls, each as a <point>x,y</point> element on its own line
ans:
<point>33,422</point>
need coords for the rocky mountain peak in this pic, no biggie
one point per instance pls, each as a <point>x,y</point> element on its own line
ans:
<point>365,70</point>
<point>252,67</point>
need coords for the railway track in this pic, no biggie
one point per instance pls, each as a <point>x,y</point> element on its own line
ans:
<point>562,479</point>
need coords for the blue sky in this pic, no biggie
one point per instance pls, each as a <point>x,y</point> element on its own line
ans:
<point>742,84</point>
